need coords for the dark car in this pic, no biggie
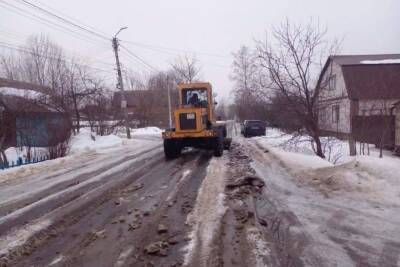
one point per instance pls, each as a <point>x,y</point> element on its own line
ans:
<point>253,128</point>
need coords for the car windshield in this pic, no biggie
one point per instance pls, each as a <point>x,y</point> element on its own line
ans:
<point>254,123</point>
<point>195,96</point>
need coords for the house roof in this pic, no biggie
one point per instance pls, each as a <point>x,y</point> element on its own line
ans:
<point>372,81</point>
<point>4,82</point>
<point>362,59</point>
<point>368,76</point>
<point>20,104</point>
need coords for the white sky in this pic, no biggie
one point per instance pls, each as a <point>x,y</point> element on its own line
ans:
<point>216,27</point>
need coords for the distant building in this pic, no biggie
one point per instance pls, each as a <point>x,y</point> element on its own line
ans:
<point>360,92</point>
<point>135,99</point>
<point>145,107</point>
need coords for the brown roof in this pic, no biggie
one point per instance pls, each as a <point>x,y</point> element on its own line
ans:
<point>372,81</point>
<point>368,81</point>
<point>4,82</point>
<point>356,59</point>
<point>19,104</point>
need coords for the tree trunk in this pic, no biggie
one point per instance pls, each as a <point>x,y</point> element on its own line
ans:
<point>318,144</point>
<point>77,116</point>
<point>352,146</point>
<point>3,157</point>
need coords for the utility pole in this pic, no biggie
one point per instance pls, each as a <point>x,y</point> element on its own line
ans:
<point>169,104</point>
<point>120,84</point>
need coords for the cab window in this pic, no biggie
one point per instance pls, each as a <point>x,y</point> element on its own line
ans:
<point>196,97</point>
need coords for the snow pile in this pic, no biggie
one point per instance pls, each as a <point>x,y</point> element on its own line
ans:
<point>383,61</point>
<point>369,175</point>
<point>207,213</point>
<point>387,172</point>
<point>147,131</point>
<point>334,149</point>
<point>298,161</point>
<point>85,144</point>
<point>15,153</point>
<point>342,178</point>
<point>86,140</point>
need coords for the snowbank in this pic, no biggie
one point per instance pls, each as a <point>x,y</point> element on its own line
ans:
<point>300,161</point>
<point>335,150</point>
<point>205,219</point>
<point>376,177</point>
<point>14,153</point>
<point>147,131</point>
<point>89,141</point>
<point>85,142</point>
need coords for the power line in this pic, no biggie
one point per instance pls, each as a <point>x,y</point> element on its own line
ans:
<point>26,51</point>
<point>46,22</point>
<point>134,61</point>
<point>71,18</point>
<point>63,19</point>
<point>161,49</point>
<point>138,58</point>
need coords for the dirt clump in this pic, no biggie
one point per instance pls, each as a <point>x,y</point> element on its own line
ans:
<point>159,248</point>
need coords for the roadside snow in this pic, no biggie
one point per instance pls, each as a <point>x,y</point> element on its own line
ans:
<point>366,177</point>
<point>86,156</point>
<point>147,131</point>
<point>356,215</point>
<point>383,61</point>
<point>84,142</point>
<point>336,151</point>
<point>14,153</point>
<point>259,246</point>
<point>19,237</point>
<point>300,161</point>
<point>207,214</point>
<point>89,141</point>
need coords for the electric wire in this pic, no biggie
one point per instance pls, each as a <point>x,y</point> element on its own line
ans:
<point>46,22</point>
<point>63,19</point>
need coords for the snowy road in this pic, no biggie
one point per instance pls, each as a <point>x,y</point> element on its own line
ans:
<point>129,206</point>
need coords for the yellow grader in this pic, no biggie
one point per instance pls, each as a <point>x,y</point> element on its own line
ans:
<point>195,123</point>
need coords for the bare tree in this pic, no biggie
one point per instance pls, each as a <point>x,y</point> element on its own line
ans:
<point>186,69</point>
<point>82,89</point>
<point>292,59</point>
<point>250,100</point>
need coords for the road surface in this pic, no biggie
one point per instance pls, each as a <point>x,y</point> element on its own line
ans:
<point>134,208</point>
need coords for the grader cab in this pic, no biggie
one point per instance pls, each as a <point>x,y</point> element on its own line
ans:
<point>195,124</point>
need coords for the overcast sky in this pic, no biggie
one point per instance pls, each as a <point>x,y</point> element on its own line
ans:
<point>210,28</point>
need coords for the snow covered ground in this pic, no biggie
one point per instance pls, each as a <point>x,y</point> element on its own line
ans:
<point>336,151</point>
<point>369,175</point>
<point>86,141</point>
<point>350,211</point>
<point>92,160</point>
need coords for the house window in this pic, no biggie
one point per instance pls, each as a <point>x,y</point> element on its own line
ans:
<point>335,113</point>
<point>332,82</point>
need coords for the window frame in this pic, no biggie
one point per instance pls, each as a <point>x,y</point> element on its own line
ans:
<point>332,82</point>
<point>335,113</point>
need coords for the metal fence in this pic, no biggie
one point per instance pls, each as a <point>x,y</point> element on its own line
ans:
<point>20,162</point>
<point>371,129</point>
